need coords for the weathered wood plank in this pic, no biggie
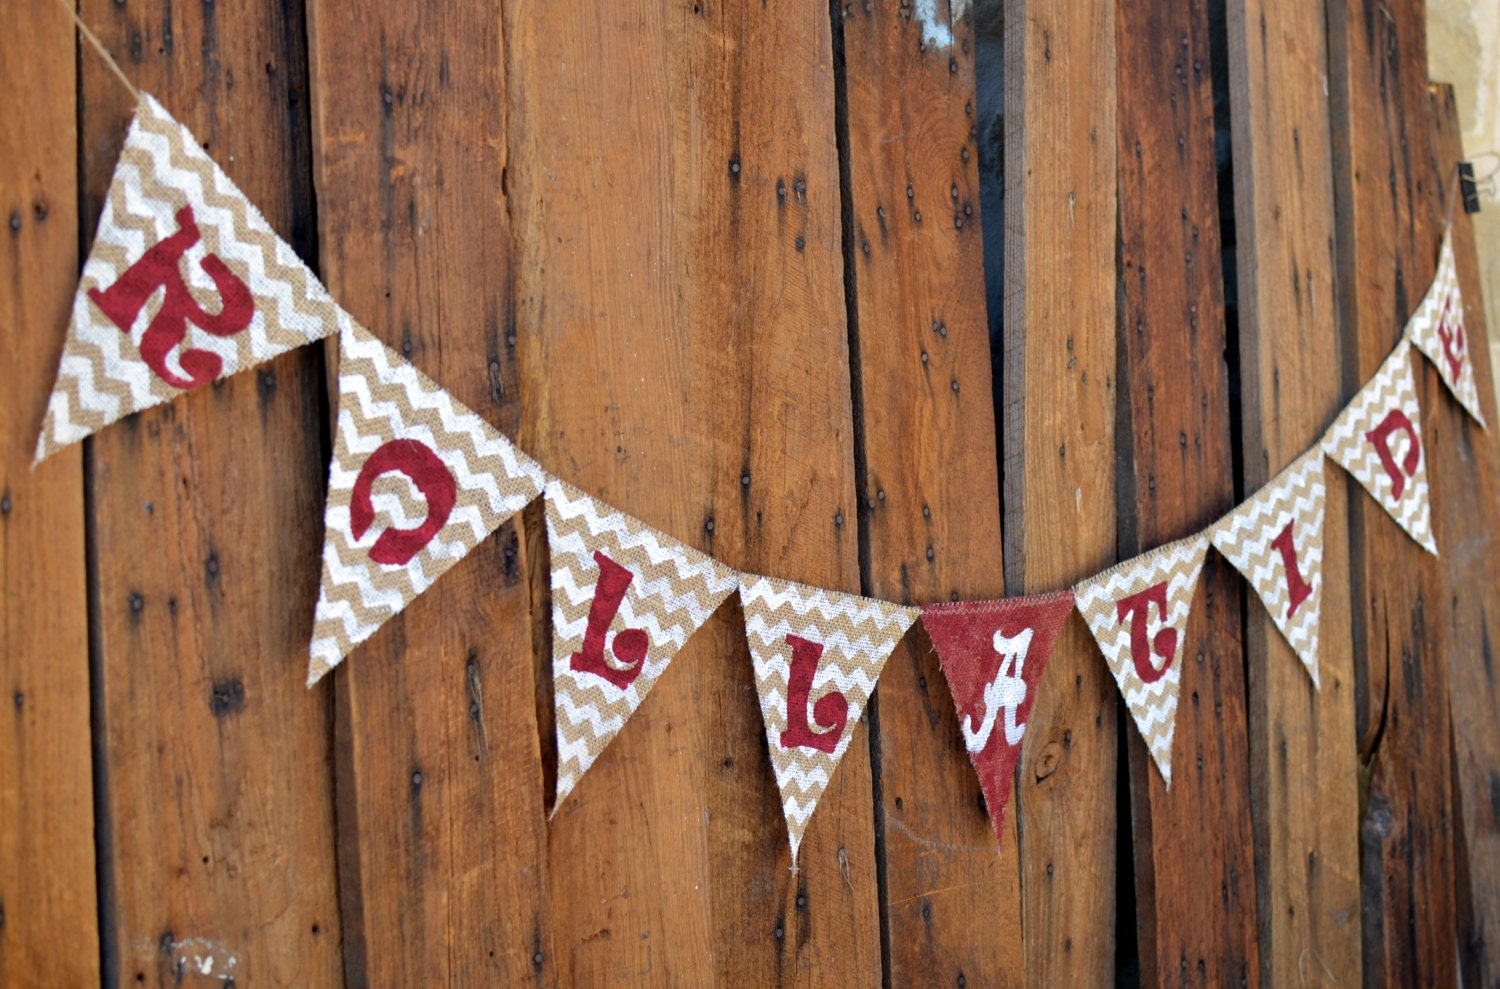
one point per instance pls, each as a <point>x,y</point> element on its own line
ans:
<point>443,838</point>
<point>1303,754</point>
<point>1058,401</point>
<point>1385,183</point>
<point>1466,500</point>
<point>930,500</point>
<point>1194,868</point>
<point>218,795</point>
<point>49,934</point>
<point>683,351</point>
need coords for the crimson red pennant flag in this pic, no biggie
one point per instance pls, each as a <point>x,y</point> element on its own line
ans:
<point>993,654</point>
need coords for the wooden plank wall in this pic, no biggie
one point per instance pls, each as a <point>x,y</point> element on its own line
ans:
<point>436,724</point>
<point>1387,182</point>
<point>1304,769</point>
<point>720,263</point>
<point>1464,462</point>
<point>216,784</point>
<point>1194,867</point>
<point>1057,408</point>
<point>48,901</point>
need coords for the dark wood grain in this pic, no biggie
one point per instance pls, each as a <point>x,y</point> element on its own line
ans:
<point>931,493</point>
<point>207,520</point>
<point>1303,755</point>
<point>49,934</point>
<point>1058,435</point>
<point>1386,187</point>
<point>1466,501</point>
<point>1194,867</point>
<point>442,832</point>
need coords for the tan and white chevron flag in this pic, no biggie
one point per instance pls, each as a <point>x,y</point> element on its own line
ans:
<point>417,480</point>
<point>1138,611</point>
<point>185,283</point>
<point>817,656</point>
<point>1378,439</point>
<point>1437,328</point>
<point>625,598</point>
<point>1276,540</point>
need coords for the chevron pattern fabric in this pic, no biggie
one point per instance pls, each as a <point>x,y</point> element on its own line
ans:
<point>817,656</point>
<point>1138,612</point>
<point>1437,328</point>
<point>417,481</point>
<point>1276,540</point>
<point>625,598</point>
<point>1378,439</point>
<point>185,283</point>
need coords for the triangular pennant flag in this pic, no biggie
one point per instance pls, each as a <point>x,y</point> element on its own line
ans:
<point>993,654</point>
<point>417,480</point>
<point>185,283</point>
<point>817,656</point>
<point>1378,439</point>
<point>1276,540</point>
<point>1437,328</point>
<point>625,598</point>
<point>1138,612</point>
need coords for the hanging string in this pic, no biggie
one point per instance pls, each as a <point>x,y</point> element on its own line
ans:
<point>99,47</point>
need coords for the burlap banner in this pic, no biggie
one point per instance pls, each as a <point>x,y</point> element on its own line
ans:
<point>1138,611</point>
<point>1378,439</point>
<point>1437,328</point>
<point>625,598</point>
<point>1276,540</point>
<point>817,656</point>
<point>185,283</point>
<point>993,654</point>
<point>417,480</point>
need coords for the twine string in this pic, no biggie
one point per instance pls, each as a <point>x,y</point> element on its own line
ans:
<point>99,47</point>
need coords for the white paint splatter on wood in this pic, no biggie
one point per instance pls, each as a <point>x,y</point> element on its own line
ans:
<point>938,32</point>
<point>198,957</point>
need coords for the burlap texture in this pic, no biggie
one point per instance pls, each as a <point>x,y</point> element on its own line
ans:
<point>102,376</point>
<point>672,591</point>
<point>1248,538</point>
<point>383,398</point>
<point>857,636</point>
<point>1152,704</point>
<point>1348,442</point>
<point>1438,330</point>
<point>993,654</point>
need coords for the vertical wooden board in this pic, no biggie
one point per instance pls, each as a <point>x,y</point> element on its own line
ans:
<point>1303,755</point>
<point>683,351</point>
<point>1466,500</point>
<point>1385,186</point>
<point>1195,874</point>
<point>931,496</point>
<point>442,832</point>
<point>218,811</point>
<point>1058,406</point>
<point>49,934</point>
